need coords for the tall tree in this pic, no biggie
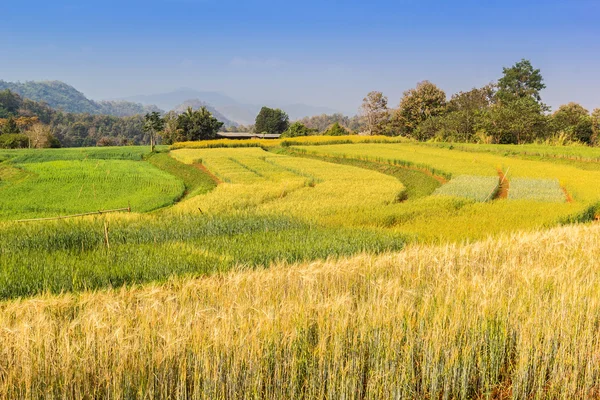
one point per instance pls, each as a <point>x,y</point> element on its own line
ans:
<point>465,112</point>
<point>596,126</point>
<point>153,123</point>
<point>375,110</point>
<point>574,121</point>
<point>520,81</point>
<point>418,104</point>
<point>10,126</point>
<point>298,129</point>
<point>269,120</point>
<point>9,103</point>
<point>197,125</point>
<point>39,135</point>
<point>516,122</point>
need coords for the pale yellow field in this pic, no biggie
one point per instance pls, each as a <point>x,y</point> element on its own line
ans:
<point>516,317</point>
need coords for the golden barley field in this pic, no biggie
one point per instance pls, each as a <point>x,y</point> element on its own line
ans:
<point>514,317</point>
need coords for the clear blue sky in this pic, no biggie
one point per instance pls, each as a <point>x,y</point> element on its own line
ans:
<point>328,53</point>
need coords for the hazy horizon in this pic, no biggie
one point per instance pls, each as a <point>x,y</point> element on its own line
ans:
<point>325,55</point>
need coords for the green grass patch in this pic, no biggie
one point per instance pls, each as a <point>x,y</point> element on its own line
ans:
<point>135,153</point>
<point>56,188</point>
<point>478,188</point>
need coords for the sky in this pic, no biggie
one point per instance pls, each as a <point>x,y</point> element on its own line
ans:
<point>322,53</point>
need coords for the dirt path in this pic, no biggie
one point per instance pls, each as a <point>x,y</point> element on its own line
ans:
<point>504,186</point>
<point>212,176</point>
<point>567,195</point>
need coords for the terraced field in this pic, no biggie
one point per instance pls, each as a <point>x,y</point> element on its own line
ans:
<point>362,268</point>
<point>47,184</point>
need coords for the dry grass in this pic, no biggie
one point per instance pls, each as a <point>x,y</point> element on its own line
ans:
<point>515,317</point>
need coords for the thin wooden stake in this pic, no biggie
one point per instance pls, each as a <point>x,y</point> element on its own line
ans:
<point>106,235</point>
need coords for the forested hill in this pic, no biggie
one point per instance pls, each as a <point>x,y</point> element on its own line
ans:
<point>61,96</point>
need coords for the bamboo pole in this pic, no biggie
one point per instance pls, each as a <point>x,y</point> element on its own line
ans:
<point>75,215</point>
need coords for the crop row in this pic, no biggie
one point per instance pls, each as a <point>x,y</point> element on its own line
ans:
<point>73,255</point>
<point>477,188</point>
<point>269,143</point>
<point>546,190</point>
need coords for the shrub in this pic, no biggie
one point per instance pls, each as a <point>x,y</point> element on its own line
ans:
<point>336,130</point>
<point>14,141</point>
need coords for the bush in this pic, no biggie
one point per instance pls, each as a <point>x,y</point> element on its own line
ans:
<point>298,129</point>
<point>336,130</point>
<point>14,141</point>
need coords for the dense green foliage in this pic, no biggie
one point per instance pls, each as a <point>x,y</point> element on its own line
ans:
<point>190,126</point>
<point>322,122</point>
<point>72,130</point>
<point>509,111</point>
<point>13,141</point>
<point>298,129</point>
<point>336,130</point>
<point>270,120</point>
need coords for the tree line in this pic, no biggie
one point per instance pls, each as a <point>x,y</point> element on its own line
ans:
<point>27,123</point>
<point>508,111</point>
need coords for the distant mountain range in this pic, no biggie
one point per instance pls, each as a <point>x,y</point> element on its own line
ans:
<point>61,96</point>
<point>231,112</point>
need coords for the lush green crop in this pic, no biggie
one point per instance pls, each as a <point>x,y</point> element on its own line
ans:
<point>72,255</point>
<point>196,181</point>
<point>135,153</point>
<point>478,188</point>
<point>547,190</point>
<point>53,188</point>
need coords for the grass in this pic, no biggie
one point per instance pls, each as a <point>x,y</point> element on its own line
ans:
<point>134,153</point>
<point>299,277</point>
<point>514,317</point>
<point>418,184</point>
<point>271,143</point>
<point>273,184</point>
<point>573,152</point>
<point>546,190</point>
<point>196,182</point>
<point>72,255</point>
<point>53,188</point>
<point>477,188</point>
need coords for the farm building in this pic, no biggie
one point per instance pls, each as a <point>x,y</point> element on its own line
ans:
<point>247,135</point>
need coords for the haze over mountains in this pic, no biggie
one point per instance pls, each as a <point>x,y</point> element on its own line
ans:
<point>237,111</point>
<point>62,96</point>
